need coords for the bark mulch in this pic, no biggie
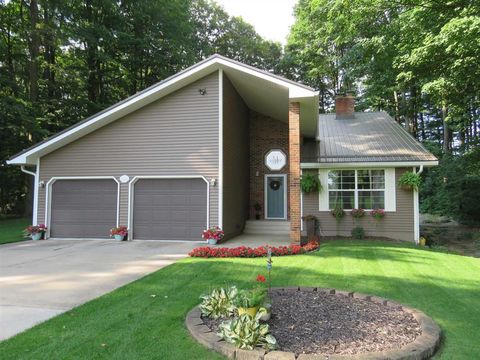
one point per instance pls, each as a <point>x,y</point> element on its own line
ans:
<point>311,322</point>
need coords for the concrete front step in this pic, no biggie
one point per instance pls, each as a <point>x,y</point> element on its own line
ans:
<point>266,227</point>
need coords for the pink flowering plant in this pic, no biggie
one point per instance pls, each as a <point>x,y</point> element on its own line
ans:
<point>35,229</point>
<point>213,233</point>
<point>358,213</point>
<point>119,230</point>
<point>378,214</point>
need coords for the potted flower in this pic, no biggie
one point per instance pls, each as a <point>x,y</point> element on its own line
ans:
<point>249,301</point>
<point>338,213</point>
<point>119,232</point>
<point>213,235</point>
<point>357,214</point>
<point>36,231</point>
<point>258,209</point>
<point>410,180</point>
<point>310,183</point>
<point>377,214</point>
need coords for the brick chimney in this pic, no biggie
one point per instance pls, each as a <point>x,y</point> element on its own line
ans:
<point>344,106</point>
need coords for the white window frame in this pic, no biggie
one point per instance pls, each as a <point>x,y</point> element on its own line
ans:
<point>389,189</point>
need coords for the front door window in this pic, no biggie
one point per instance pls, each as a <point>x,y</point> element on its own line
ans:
<point>275,196</point>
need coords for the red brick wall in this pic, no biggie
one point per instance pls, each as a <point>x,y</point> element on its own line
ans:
<point>294,173</point>
<point>265,134</point>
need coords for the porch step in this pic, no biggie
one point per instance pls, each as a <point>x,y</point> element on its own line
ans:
<point>267,227</point>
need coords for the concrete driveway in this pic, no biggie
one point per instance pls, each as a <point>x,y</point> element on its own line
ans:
<point>41,279</point>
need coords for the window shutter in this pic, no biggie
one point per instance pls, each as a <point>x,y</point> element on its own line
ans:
<point>323,195</point>
<point>390,190</point>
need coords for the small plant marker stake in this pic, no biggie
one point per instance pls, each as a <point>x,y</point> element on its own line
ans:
<point>269,267</point>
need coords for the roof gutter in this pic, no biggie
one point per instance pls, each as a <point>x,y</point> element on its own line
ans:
<point>35,190</point>
<point>27,171</point>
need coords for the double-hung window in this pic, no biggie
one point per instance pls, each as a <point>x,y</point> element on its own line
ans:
<point>350,189</point>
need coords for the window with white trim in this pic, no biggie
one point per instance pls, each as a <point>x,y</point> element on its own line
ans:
<point>353,189</point>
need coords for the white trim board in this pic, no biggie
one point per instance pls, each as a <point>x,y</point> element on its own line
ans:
<point>220,149</point>
<point>416,213</point>
<point>131,185</point>
<point>285,197</point>
<point>48,195</point>
<point>155,92</point>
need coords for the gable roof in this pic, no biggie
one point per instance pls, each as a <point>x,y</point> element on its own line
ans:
<point>296,92</point>
<point>369,137</point>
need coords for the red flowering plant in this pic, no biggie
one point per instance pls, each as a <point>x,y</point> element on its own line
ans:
<point>35,229</point>
<point>213,233</point>
<point>358,213</point>
<point>119,230</point>
<point>247,252</point>
<point>260,278</point>
<point>377,214</point>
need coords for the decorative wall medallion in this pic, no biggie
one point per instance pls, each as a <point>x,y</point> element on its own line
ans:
<point>124,179</point>
<point>275,160</point>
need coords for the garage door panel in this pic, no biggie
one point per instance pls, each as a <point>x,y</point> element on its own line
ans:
<point>83,208</point>
<point>169,209</point>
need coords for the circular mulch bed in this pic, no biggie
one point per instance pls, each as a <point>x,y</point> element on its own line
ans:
<point>319,322</point>
<point>328,322</point>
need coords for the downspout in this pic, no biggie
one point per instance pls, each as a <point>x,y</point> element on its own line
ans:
<point>35,192</point>
<point>416,209</point>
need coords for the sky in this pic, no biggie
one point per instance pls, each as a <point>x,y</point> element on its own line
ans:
<point>271,18</point>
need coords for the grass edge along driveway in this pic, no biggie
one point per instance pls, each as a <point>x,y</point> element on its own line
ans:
<point>145,319</point>
<point>11,230</point>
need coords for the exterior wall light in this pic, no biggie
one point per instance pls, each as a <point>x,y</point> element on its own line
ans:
<point>213,182</point>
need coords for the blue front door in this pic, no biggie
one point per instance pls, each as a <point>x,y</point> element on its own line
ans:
<point>275,192</point>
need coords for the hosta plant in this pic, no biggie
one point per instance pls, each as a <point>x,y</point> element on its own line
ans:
<point>247,333</point>
<point>219,303</point>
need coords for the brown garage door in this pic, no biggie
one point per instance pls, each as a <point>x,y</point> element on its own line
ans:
<point>83,208</point>
<point>169,209</point>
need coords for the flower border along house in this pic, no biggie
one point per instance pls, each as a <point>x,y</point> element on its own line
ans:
<point>211,146</point>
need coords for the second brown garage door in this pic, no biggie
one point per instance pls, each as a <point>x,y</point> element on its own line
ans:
<point>169,209</point>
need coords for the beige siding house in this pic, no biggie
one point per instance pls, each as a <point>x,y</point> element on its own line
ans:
<point>222,143</point>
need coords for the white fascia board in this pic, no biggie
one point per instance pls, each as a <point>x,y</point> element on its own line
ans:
<point>373,164</point>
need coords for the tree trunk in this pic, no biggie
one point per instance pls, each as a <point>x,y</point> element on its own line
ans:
<point>34,50</point>
<point>92,61</point>
<point>397,107</point>
<point>447,133</point>
<point>422,123</point>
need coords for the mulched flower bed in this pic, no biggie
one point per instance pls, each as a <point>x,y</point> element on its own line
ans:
<point>311,322</point>
<point>248,252</point>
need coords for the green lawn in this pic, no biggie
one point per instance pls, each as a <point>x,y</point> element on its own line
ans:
<point>145,320</point>
<point>12,230</point>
